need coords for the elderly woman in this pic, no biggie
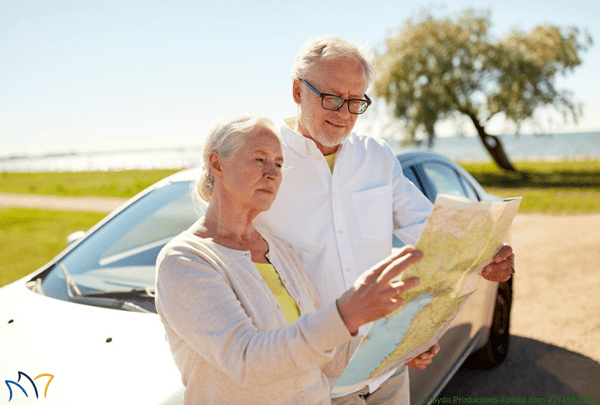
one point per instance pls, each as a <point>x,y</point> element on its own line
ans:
<point>244,323</point>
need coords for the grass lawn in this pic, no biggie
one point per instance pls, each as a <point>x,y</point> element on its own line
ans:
<point>30,238</point>
<point>105,184</point>
<point>551,187</point>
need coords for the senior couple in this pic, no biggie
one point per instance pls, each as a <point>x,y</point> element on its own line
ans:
<point>263,298</point>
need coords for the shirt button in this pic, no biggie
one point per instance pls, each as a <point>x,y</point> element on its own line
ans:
<point>302,394</point>
<point>341,232</point>
<point>348,269</point>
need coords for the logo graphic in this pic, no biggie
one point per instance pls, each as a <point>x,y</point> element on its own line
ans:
<point>16,384</point>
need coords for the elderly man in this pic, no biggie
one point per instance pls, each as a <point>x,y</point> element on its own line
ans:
<point>343,194</point>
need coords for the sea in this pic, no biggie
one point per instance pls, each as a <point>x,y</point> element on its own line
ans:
<point>571,146</point>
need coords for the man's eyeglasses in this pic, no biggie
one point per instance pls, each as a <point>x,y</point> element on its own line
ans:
<point>334,103</point>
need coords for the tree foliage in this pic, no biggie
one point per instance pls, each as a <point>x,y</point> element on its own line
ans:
<point>434,68</point>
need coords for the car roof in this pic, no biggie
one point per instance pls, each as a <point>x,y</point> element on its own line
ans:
<point>406,158</point>
<point>410,157</point>
<point>190,174</point>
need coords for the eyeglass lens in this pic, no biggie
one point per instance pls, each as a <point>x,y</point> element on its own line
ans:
<point>334,103</point>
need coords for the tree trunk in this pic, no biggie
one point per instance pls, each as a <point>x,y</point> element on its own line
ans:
<point>493,146</point>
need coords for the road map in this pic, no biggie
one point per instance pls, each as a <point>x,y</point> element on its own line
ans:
<point>459,239</point>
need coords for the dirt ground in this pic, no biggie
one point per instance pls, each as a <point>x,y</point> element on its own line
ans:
<point>557,285</point>
<point>91,204</point>
<point>554,354</point>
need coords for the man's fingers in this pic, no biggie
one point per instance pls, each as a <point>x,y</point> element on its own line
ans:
<point>504,252</point>
<point>433,350</point>
<point>505,263</point>
<point>499,271</point>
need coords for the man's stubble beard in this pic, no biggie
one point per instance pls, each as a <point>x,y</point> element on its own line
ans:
<point>329,141</point>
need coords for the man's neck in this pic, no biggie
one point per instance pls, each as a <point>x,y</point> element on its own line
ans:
<point>292,122</point>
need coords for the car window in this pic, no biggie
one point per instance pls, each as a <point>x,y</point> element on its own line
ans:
<point>444,178</point>
<point>157,228</point>
<point>121,255</point>
<point>409,173</point>
<point>469,190</point>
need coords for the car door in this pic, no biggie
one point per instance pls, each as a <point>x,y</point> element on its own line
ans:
<point>434,178</point>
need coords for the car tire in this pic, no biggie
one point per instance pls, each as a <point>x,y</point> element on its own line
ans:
<point>496,348</point>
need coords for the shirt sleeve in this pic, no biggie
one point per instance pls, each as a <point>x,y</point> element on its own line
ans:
<point>198,303</point>
<point>410,206</point>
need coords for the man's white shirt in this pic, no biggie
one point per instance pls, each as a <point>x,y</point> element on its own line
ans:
<point>340,224</point>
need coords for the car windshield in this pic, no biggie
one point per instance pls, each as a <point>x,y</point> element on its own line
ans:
<point>120,256</point>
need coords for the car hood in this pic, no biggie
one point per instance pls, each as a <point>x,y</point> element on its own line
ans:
<point>95,355</point>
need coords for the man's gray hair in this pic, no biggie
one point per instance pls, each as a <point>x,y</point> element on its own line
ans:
<point>327,48</point>
<point>226,137</point>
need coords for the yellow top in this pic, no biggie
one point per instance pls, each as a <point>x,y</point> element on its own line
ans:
<point>330,161</point>
<point>285,300</point>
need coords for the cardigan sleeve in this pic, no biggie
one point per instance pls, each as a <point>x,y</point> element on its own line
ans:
<point>335,367</point>
<point>197,301</point>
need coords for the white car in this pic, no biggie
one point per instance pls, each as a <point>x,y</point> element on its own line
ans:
<point>83,329</point>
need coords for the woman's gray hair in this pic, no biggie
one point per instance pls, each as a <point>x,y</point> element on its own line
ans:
<point>327,48</point>
<point>226,137</point>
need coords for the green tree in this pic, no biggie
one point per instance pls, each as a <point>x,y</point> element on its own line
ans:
<point>437,68</point>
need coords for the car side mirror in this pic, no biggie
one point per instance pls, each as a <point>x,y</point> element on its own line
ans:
<point>75,236</point>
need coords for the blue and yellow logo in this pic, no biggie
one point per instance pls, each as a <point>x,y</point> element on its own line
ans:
<point>12,384</point>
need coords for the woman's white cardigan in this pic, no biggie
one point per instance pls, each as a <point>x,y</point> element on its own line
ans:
<point>228,335</point>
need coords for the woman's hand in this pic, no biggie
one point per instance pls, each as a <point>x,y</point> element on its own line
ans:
<point>375,294</point>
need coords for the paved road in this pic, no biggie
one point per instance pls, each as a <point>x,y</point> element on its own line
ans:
<point>91,204</point>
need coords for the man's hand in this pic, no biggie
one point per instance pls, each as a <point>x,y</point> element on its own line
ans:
<point>502,267</point>
<point>424,359</point>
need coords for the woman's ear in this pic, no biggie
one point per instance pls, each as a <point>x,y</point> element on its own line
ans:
<point>297,91</point>
<point>216,164</point>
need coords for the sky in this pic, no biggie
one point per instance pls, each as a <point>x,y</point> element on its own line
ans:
<point>78,76</point>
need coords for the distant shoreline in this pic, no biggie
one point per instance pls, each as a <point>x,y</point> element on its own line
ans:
<point>526,148</point>
<point>394,143</point>
<point>63,154</point>
<point>535,159</point>
<point>120,168</point>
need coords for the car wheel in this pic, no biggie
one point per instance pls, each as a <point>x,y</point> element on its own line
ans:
<point>496,348</point>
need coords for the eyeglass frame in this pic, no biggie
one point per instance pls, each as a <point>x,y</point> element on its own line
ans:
<point>323,95</point>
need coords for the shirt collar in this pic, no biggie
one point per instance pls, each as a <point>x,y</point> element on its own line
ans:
<point>299,143</point>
